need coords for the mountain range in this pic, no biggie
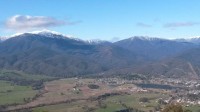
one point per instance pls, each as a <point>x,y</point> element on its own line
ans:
<point>55,54</point>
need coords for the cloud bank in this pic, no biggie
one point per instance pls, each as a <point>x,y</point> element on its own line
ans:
<point>26,22</point>
<point>180,24</point>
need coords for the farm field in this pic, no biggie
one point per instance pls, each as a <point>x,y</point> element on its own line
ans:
<point>60,91</point>
<point>11,93</point>
<point>111,104</point>
<point>18,88</point>
<point>89,95</point>
<point>65,90</point>
<point>12,74</point>
<point>133,101</point>
<point>79,106</point>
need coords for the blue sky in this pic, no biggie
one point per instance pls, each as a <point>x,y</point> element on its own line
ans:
<point>103,19</point>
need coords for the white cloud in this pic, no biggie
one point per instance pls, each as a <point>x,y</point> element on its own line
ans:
<point>26,22</point>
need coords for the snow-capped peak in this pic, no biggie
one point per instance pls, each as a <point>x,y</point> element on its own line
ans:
<point>44,32</point>
<point>145,38</point>
<point>195,39</point>
<point>49,33</point>
<point>96,41</point>
<point>3,38</point>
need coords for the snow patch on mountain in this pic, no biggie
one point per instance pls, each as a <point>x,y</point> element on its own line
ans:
<point>96,41</point>
<point>3,38</point>
<point>44,33</point>
<point>195,40</point>
<point>49,33</point>
<point>145,38</point>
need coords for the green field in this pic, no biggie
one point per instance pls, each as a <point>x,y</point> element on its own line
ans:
<point>10,93</point>
<point>85,100</point>
<point>194,108</point>
<point>79,106</point>
<point>111,107</point>
<point>15,86</point>
<point>132,101</point>
<point>21,75</point>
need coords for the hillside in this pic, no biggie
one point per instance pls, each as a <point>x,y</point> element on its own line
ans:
<point>57,55</point>
<point>54,54</point>
<point>154,48</point>
<point>185,65</point>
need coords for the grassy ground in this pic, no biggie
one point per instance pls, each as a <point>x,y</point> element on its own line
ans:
<point>63,89</point>
<point>14,90</point>
<point>194,108</point>
<point>79,106</point>
<point>111,107</point>
<point>10,93</point>
<point>132,101</point>
<point>112,104</point>
<point>21,75</point>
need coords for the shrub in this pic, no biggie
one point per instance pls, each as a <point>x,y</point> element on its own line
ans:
<point>144,99</point>
<point>173,108</point>
<point>93,86</point>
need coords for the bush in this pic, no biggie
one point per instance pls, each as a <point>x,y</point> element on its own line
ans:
<point>162,102</point>
<point>173,108</point>
<point>93,86</point>
<point>187,111</point>
<point>144,99</point>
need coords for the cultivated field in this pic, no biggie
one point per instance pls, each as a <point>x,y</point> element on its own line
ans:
<point>75,95</point>
<point>11,93</point>
<point>84,95</point>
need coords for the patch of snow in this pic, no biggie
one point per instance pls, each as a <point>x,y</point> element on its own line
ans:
<point>3,38</point>
<point>195,39</point>
<point>96,41</point>
<point>146,38</point>
<point>44,32</point>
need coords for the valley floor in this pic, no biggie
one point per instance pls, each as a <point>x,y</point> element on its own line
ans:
<point>97,95</point>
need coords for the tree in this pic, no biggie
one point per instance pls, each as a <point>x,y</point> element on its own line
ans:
<point>173,108</point>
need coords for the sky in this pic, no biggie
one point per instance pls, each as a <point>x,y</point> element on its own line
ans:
<point>103,19</point>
